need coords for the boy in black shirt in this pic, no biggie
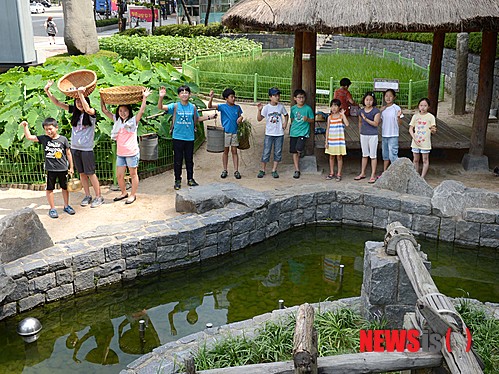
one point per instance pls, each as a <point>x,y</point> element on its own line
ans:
<point>57,156</point>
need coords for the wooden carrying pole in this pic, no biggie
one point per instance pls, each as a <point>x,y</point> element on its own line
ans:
<point>458,360</point>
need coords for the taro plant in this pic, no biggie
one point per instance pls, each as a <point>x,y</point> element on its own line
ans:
<point>22,96</point>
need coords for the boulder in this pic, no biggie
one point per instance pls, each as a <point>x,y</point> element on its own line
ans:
<point>401,176</point>
<point>218,195</point>
<point>451,198</point>
<point>80,33</point>
<point>22,234</point>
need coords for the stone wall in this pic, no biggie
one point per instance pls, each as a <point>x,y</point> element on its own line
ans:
<point>113,254</point>
<point>422,54</point>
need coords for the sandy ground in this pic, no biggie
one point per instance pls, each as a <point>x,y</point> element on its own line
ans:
<point>156,196</point>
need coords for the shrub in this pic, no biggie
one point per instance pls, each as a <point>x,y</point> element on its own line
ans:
<point>141,31</point>
<point>106,22</point>
<point>189,31</point>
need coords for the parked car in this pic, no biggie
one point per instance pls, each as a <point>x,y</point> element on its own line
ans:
<point>46,3</point>
<point>36,8</point>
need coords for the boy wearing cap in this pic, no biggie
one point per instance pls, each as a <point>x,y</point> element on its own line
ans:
<point>276,119</point>
<point>302,116</point>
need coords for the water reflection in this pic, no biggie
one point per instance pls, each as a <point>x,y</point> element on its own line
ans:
<point>100,333</point>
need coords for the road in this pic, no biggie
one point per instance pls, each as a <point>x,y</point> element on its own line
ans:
<point>39,19</point>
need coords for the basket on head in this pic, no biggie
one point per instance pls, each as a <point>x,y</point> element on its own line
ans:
<point>122,95</point>
<point>70,83</point>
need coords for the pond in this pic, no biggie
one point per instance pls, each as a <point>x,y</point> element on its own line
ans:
<point>98,333</point>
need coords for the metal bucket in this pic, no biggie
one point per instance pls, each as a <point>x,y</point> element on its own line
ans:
<point>148,146</point>
<point>215,139</point>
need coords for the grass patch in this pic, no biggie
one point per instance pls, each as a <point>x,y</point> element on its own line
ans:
<point>356,67</point>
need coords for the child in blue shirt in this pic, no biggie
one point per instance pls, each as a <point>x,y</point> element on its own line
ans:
<point>185,118</point>
<point>231,116</point>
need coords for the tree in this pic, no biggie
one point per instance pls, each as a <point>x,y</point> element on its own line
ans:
<point>186,12</point>
<point>207,17</point>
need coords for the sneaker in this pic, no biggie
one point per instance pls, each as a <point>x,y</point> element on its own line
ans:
<point>275,174</point>
<point>177,185</point>
<point>224,174</point>
<point>192,183</point>
<point>86,200</point>
<point>261,174</point>
<point>296,175</point>
<point>98,201</point>
<point>237,174</point>
<point>69,210</point>
<point>53,213</point>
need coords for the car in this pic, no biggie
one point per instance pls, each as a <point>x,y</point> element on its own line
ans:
<point>36,8</point>
<point>46,3</point>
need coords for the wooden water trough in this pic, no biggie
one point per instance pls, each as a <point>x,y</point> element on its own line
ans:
<point>434,312</point>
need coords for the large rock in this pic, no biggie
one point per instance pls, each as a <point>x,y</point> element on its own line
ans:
<point>402,177</point>
<point>451,198</point>
<point>22,234</point>
<point>217,195</point>
<point>80,33</point>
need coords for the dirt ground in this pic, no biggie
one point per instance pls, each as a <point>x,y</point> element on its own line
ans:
<point>156,196</point>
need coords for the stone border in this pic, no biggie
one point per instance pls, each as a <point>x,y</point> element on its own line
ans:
<point>112,254</point>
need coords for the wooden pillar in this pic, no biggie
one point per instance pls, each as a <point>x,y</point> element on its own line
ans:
<point>461,74</point>
<point>296,80</point>
<point>437,52</point>
<point>309,65</point>
<point>484,96</point>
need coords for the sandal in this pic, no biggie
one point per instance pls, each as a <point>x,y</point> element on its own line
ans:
<point>372,180</point>
<point>359,177</point>
<point>237,175</point>
<point>224,174</point>
<point>338,178</point>
<point>261,174</point>
<point>330,177</point>
<point>53,213</point>
<point>274,174</point>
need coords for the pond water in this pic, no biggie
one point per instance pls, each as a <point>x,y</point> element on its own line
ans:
<point>98,333</point>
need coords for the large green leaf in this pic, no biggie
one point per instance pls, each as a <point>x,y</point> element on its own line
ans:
<point>104,65</point>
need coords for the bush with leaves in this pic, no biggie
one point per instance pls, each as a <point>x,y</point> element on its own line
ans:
<point>106,22</point>
<point>22,96</point>
<point>189,31</point>
<point>141,31</point>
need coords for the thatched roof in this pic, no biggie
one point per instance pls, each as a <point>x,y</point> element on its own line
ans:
<point>333,16</point>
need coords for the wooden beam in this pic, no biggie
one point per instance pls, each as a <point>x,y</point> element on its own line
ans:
<point>367,362</point>
<point>484,96</point>
<point>296,79</point>
<point>437,52</point>
<point>309,65</point>
<point>304,342</point>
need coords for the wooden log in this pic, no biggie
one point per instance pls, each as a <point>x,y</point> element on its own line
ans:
<point>296,75</point>
<point>437,52</point>
<point>484,96</point>
<point>304,344</point>
<point>309,64</point>
<point>367,362</point>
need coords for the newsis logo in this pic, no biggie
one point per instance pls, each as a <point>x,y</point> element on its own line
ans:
<point>410,340</point>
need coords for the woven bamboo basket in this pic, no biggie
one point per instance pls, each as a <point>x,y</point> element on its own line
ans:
<point>121,95</point>
<point>70,83</point>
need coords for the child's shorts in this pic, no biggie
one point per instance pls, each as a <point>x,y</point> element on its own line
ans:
<point>297,144</point>
<point>390,148</point>
<point>417,150</point>
<point>54,176</point>
<point>130,161</point>
<point>231,140</point>
<point>268,143</point>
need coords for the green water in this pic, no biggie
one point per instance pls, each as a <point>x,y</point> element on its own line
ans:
<point>98,333</point>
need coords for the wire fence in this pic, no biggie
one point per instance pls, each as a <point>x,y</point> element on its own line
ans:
<point>255,86</point>
<point>24,167</point>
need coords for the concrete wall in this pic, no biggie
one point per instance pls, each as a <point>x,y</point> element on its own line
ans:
<point>112,254</point>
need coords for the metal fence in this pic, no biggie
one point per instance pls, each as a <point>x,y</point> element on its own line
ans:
<point>24,168</point>
<point>255,86</point>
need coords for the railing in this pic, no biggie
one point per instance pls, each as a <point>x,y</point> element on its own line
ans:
<point>255,86</point>
<point>24,168</point>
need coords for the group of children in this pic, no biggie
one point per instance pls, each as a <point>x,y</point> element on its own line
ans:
<point>61,155</point>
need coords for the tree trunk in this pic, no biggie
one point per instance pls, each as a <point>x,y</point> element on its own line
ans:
<point>153,2</point>
<point>437,52</point>
<point>296,81</point>
<point>184,5</point>
<point>80,33</point>
<point>309,71</point>
<point>207,17</point>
